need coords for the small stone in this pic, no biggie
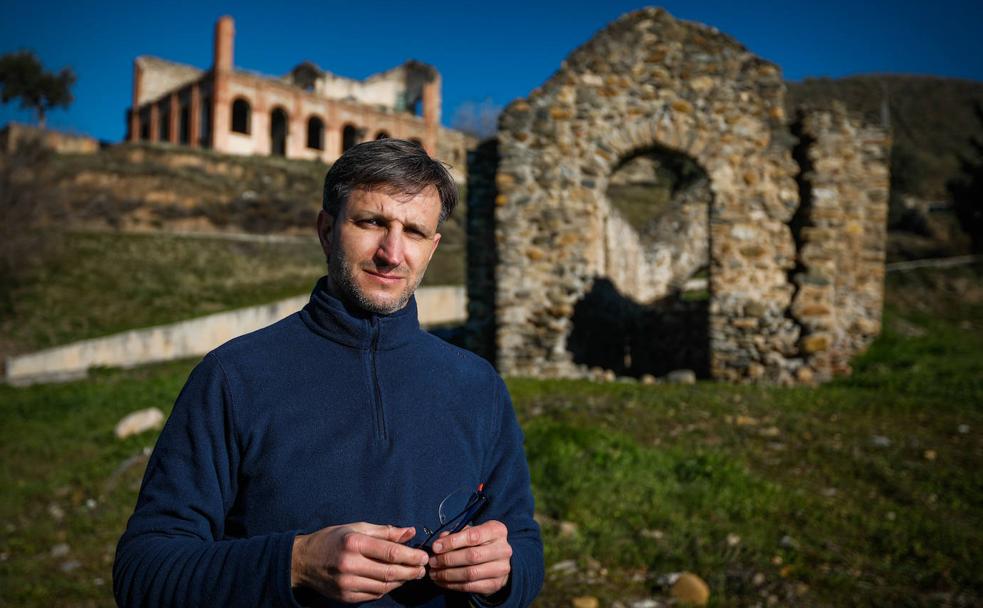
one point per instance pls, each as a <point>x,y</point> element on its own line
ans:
<point>815,343</point>
<point>568,529</point>
<point>609,376</point>
<point>758,579</point>
<point>585,601</point>
<point>788,542</point>
<point>805,375</point>
<point>56,512</point>
<point>139,422</point>
<point>880,441</point>
<point>829,492</point>
<point>90,503</point>
<point>733,540</point>
<point>891,515</point>
<point>690,589</point>
<point>98,581</point>
<point>653,534</point>
<point>567,566</point>
<point>72,564</point>
<point>930,455</point>
<point>60,550</point>
<point>646,603</point>
<point>771,431</point>
<point>648,379</point>
<point>681,376</point>
<point>963,428</point>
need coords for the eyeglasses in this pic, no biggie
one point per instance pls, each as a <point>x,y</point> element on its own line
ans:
<point>455,512</point>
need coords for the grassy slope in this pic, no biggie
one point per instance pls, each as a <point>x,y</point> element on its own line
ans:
<point>102,283</point>
<point>632,481</point>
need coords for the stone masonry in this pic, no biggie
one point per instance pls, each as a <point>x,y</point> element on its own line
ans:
<point>794,228</point>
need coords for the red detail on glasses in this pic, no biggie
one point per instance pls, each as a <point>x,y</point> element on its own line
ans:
<point>481,487</point>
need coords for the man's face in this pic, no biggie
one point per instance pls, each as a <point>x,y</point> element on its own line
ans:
<point>379,246</point>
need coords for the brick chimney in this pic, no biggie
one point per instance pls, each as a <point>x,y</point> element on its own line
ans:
<point>225,32</point>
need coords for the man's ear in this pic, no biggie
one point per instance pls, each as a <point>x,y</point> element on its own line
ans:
<point>325,225</point>
<point>436,241</point>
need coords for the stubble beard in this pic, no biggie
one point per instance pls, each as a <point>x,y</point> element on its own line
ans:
<point>342,278</point>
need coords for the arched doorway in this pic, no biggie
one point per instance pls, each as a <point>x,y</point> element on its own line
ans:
<point>349,137</point>
<point>649,312</point>
<point>278,132</point>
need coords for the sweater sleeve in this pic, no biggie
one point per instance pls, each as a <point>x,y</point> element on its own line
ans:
<point>511,502</point>
<point>173,552</point>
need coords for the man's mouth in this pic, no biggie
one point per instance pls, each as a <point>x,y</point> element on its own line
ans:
<point>385,277</point>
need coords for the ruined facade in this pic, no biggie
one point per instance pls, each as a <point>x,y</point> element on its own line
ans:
<point>782,218</point>
<point>308,114</point>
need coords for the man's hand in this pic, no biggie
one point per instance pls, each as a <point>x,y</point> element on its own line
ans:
<point>355,562</point>
<point>475,560</point>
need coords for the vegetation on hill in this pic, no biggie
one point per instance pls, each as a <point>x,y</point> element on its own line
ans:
<point>862,492</point>
<point>932,121</point>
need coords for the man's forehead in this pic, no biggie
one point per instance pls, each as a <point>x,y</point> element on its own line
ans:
<point>384,195</point>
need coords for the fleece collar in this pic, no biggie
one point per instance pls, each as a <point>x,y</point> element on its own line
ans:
<point>333,319</point>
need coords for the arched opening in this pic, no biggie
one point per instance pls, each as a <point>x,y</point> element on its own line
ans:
<point>278,132</point>
<point>315,133</point>
<point>349,137</point>
<point>382,135</point>
<point>241,115</point>
<point>650,313</point>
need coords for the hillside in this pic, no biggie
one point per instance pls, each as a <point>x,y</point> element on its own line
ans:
<point>932,120</point>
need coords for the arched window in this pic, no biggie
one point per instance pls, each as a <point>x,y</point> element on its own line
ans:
<point>315,133</point>
<point>278,131</point>
<point>240,116</point>
<point>382,135</point>
<point>349,137</point>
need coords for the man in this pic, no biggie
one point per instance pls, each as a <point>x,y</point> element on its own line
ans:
<point>305,463</point>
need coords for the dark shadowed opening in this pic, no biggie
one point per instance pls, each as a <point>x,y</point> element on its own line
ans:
<point>349,137</point>
<point>278,132</point>
<point>315,133</point>
<point>240,116</point>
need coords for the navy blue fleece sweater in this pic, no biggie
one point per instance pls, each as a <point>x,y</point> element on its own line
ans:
<point>326,417</point>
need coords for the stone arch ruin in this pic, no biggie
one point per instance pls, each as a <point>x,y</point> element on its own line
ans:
<point>786,215</point>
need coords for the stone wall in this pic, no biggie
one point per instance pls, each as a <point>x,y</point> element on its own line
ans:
<point>841,231</point>
<point>562,253</point>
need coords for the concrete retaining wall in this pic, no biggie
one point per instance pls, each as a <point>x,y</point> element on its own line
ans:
<point>437,306</point>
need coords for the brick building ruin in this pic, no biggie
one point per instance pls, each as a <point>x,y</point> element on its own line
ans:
<point>781,215</point>
<point>307,114</point>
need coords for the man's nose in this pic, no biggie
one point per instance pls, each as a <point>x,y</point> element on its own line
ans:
<point>390,251</point>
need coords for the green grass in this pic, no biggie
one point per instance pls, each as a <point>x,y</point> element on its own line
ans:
<point>97,284</point>
<point>863,492</point>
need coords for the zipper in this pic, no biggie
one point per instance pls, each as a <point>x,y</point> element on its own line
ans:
<point>380,417</point>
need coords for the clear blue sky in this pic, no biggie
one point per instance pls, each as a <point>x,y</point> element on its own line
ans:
<point>496,50</point>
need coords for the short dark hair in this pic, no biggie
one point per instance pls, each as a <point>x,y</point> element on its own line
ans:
<point>397,164</point>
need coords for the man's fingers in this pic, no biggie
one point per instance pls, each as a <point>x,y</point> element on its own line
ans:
<point>353,588</point>
<point>360,566</point>
<point>476,572</point>
<point>471,536</point>
<point>384,551</point>
<point>390,533</point>
<point>465,556</point>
